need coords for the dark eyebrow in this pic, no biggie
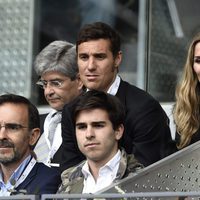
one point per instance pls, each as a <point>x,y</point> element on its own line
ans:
<point>93,123</point>
<point>98,122</point>
<point>80,123</point>
<point>100,54</point>
<point>83,54</point>
<point>94,54</point>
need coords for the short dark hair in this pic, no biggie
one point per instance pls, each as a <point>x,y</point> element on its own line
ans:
<point>99,30</point>
<point>33,114</point>
<point>94,99</point>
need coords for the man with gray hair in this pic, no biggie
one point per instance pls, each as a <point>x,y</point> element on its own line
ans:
<point>57,67</point>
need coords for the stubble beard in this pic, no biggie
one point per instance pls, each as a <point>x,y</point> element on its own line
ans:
<point>11,158</point>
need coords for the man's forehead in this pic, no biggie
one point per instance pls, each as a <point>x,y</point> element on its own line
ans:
<point>100,45</point>
<point>14,111</point>
<point>95,115</point>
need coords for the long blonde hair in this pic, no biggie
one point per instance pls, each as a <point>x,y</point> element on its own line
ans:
<point>187,108</point>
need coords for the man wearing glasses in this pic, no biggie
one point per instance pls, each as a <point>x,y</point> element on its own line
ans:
<point>19,131</point>
<point>57,67</point>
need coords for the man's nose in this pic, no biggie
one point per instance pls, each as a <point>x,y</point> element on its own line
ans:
<point>91,64</point>
<point>48,89</point>
<point>3,133</point>
<point>89,133</point>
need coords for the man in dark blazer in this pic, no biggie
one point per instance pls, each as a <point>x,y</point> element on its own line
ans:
<point>41,180</point>
<point>147,134</point>
<point>57,68</point>
<point>19,130</point>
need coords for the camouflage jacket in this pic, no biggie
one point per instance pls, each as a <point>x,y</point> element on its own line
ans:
<point>72,178</point>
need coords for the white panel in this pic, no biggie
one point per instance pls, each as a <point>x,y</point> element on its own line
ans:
<point>16,28</point>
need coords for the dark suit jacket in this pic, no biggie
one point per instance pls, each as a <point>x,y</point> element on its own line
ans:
<point>57,155</point>
<point>147,134</point>
<point>41,180</point>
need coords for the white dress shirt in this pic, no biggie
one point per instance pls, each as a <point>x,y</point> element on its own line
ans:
<point>44,149</point>
<point>115,86</point>
<point>107,174</point>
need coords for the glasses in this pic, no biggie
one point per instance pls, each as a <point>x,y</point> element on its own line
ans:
<point>52,83</point>
<point>11,127</point>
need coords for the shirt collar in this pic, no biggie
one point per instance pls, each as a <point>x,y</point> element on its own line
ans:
<point>111,164</point>
<point>115,86</point>
<point>15,175</point>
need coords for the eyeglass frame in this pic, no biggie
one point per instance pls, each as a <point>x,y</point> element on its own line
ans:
<point>43,83</point>
<point>12,127</point>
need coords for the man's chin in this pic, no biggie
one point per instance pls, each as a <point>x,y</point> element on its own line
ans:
<point>56,106</point>
<point>92,87</point>
<point>6,159</point>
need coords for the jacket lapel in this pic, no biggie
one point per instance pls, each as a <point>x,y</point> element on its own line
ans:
<point>28,179</point>
<point>121,93</point>
<point>77,188</point>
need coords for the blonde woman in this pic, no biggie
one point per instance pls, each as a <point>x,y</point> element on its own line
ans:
<point>187,107</point>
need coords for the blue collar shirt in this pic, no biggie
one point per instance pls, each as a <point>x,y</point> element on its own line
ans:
<point>10,185</point>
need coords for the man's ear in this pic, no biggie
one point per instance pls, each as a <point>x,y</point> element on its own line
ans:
<point>118,59</point>
<point>119,132</point>
<point>34,136</point>
<point>79,82</point>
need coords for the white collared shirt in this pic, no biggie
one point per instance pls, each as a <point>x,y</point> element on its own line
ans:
<point>48,150</point>
<point>115,86</point>
<point>107,174</point>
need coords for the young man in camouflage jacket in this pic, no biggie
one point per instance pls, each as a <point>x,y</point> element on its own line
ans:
<point>99,126</point>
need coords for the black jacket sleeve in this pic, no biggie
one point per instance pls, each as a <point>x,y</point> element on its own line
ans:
<point>147,134</point>
<point>70,153</point>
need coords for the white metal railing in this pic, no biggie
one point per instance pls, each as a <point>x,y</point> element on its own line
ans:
<point>142,195</point>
